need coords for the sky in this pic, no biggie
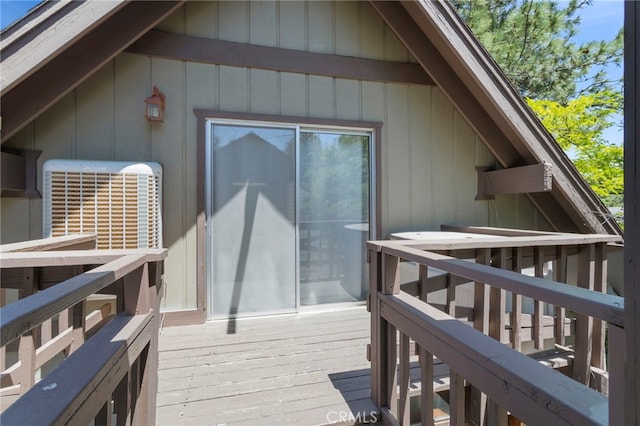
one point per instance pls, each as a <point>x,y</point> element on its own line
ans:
<point>600,21</point>
<point>11,10</point>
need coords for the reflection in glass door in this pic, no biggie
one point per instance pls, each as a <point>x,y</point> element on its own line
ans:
<point>333,216</point>
<point>251,220</point>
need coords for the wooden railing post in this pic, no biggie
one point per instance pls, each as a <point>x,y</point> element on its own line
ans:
<point>498,302</point>
<point>560,276</point>
<point>481,305</point>
<point>27,346</point>
<point>426,390</point>
<point>584,323</point>
<point>617,341</point>
<point>496,414</point>
<point>122,401</point>
<point>403,405</point>
<point>516,304</point>
<point>600,285</point>
<point>78,320</point>
<point>451,294</point>
<point>538,306</point>
<point>377,350</point>
<point>146,410</point>
<point>456,399</point>
<point>391,285</point>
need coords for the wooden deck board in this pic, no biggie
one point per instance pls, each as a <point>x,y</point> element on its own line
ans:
<point>296,369</point>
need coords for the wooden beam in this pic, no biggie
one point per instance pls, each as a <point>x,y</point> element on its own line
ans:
<point>632,212</point>
<point>27,100</point>
<point>19,178</point>
<point>13,172</point>
<point>516,180</point>
<point>196,49</point>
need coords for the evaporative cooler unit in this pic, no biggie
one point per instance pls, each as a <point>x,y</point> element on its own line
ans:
<point>119,202</point>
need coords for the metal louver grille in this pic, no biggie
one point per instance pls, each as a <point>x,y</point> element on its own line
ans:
<point>119,202</point>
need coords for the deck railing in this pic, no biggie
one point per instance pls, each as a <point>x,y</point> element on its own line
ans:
<point>489,377</point>
<point>103,363</point>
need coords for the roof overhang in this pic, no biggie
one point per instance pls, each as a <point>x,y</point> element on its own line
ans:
<point>53,52</point>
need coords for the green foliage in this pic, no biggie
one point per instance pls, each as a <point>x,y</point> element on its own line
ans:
<point>578,128</point>
<point>532,41</point>
<point>334,177</point>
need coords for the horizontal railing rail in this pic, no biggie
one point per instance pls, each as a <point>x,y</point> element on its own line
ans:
<point>109,356</point>
<point>67,242</point>
<point>603,306</point>
<point>502,380</point>
<point>536,394</point>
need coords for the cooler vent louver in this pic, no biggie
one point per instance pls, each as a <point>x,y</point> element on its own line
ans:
<point>120,202</point>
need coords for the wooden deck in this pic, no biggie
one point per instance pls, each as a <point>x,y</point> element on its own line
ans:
<point>304,369</point>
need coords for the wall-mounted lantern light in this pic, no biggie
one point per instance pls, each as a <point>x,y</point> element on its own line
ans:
<point>154,106</point>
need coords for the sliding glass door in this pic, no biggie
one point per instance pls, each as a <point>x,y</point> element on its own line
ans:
<point>252,220</point>
<point>287,217</point>
<point>333,213</point>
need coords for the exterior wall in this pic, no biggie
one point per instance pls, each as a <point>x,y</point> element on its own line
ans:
<point>429,153</point>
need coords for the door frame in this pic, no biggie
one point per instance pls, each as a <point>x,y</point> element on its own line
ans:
<point>204,116</point>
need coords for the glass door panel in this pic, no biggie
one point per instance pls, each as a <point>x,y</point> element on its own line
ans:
<point>252,220</point>
<point>333,216</point>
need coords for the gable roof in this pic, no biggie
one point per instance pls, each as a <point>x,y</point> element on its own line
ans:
<point>432,32</point>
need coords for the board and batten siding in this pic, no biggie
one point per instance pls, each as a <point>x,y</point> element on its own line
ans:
<point>428,152</point>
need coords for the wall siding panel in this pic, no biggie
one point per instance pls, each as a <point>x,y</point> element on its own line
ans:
<point>428,152</point>
<point>265,93</point>
<point>233,21</point>
<point>393,48</point>
<point>201,93</point>
<point>293,94</point>
<point>371,32</point>
<point>263,29</point>
<point>320,26</point>
<point>321,97</point>
<point>234,88</point>
<point>202,19</point>
<point>293,24</point>
<point>373,107</point>
<point>14,227</point>
<point>348,99</point>
<point>398,176</point>
<point>132,136</point>
<point>466,212</point>
<point>421,159</point>
<point>174,23</point>
<point>168,149</point>
<point>94,116</point>
<point>347,29</point>
<point>443,159</point>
